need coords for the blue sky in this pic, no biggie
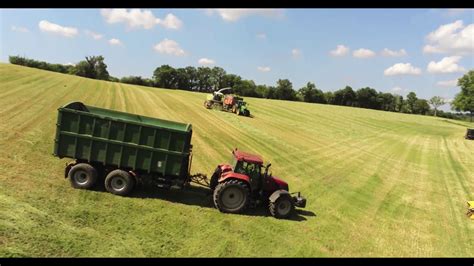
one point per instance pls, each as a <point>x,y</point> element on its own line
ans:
<point>428,48</point>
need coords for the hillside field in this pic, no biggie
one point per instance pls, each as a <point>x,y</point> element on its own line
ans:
<point>377,183</point>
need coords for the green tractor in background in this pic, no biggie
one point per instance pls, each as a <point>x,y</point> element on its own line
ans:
<point>227,102</point>
<point>240,108</point>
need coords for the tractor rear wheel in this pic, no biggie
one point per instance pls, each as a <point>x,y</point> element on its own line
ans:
<point>283,207</point>
<point>231,196</point>
<point>82,176</point>
<point>119,182</point>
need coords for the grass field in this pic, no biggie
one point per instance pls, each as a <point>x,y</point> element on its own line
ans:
<point>377,183</point>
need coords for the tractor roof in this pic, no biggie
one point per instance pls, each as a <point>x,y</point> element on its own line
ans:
<point>247,157</point>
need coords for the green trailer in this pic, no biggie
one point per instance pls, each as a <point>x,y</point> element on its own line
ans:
<point>122,147</point>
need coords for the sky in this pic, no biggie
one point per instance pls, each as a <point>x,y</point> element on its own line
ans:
<point>391,50</point>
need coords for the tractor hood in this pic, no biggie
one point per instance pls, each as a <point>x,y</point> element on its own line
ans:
<point>281,184</point>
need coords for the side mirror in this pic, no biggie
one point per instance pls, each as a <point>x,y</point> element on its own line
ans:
<point>268,165</point>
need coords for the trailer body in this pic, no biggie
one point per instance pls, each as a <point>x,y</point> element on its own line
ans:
<point>114,139</point>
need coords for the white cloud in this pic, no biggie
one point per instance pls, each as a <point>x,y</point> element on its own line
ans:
<point>70,64</point>
<point>234,14</point>
<point>402,69</point>
<point>263,69</point>
<point>94,35</point>
<point>398,90</point>
<point>448,83</point>
<point>388,52</point>
<point>261,36</point>
<point>206,61</point>
<point>446,65</point>
<point>114,41</point>
<point>137,18</point>
<point>170,22</point>
<point>295,52</point>
<point>47,26</point>
<point>340,50</point>
<point>19,29</point>
<point>453,38</point>
<point>169,47</point>
<point>363,53</point>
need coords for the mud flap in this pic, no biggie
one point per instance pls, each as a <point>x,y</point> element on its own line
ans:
<point>275,195</point>
<point>68,168</point>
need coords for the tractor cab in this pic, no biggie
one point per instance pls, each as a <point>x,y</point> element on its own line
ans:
<point>250,165</point>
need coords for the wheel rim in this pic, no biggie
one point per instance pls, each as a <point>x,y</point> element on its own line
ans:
<point>118,183</point>
<point>284,207</point>
<point>232,198</point>
<point>81,177</point>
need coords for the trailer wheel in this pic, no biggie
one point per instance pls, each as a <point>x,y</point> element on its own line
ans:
<point>119,182</point>
<point>283,207</point>
<point>82,176</point>
<point>231,196</point>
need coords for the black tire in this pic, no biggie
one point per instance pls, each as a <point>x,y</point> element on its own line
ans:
<point>82,176</point>
<point>283,207</point>
<point>119,182</point>
<point>247,113</point>
<point>215,178</point>
<point>231,196</point>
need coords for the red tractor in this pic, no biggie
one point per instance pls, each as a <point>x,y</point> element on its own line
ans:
<point>247,182</point>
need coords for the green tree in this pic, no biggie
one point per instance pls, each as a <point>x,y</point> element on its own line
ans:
<point>411,99</point>
<point>284,90</point>
<point>165,77</point>
<point>245,88</point>
<point>436,102</point>
<point>398,103</point>
<point>464,100</point>
<point>386,101</point>
<point>93,67</point>
<point>367,98</point>
<point>205,81</point>
<point>345,97</point>
<point>329,97</point>
<point>421,106</point>
<point>137,80</point>
<point>262,91</point>
<point>311,94</point>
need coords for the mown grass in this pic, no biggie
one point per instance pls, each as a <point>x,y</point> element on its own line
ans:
<point>377,183</point>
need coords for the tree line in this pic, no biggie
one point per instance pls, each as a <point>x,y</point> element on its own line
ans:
<point>206,79</point>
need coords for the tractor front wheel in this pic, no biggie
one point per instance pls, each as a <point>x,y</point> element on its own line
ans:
<point>231,196</point>
<point>283,207</point>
